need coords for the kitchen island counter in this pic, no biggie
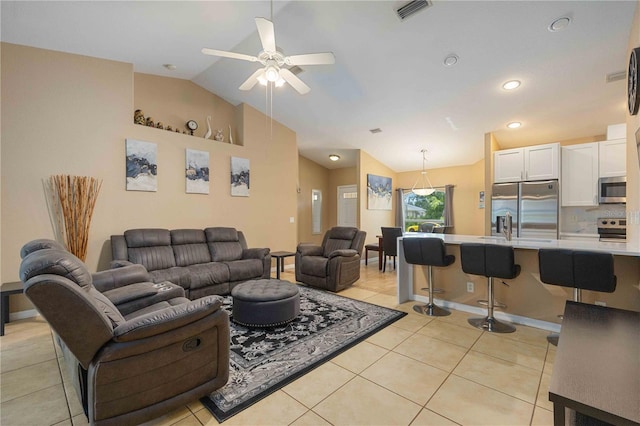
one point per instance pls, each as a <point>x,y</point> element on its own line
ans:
<point>528,300</point>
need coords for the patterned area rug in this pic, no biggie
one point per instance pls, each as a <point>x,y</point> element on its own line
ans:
<point>265,360</point>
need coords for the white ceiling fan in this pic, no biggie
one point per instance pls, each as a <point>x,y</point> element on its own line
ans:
<point>274,61</point>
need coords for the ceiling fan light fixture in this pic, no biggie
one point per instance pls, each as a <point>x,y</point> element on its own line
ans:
<point>272,73</point>
<point>280,82</point>
<point>262,79</point>
<point>423,185</point>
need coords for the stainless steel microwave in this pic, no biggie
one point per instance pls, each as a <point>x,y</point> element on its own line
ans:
<point>612,190</point>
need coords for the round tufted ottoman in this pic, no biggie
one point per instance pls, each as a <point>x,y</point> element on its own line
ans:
<point>265,303</point>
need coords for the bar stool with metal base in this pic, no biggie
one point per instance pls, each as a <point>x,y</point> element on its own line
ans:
<point>576,269</point>
<point>491,261</point>
<point>429,252</point>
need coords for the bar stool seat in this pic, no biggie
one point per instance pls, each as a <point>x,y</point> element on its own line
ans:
<point>578,269</point>
<point>429,252</point>
<point>491,261</point>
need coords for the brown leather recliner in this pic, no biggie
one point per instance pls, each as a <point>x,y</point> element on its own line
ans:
<point>335,265</point>
<point>133,368</point>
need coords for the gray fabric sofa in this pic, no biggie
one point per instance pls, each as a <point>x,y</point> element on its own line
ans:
<point>127,368</point>
<point>335,265</point>
<point>203,262</point>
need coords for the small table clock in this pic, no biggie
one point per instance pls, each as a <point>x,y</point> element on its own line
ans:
<point>192,126</point>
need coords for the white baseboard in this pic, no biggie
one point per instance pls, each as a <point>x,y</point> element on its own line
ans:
<point>29,313</point>
<point>544,325</point>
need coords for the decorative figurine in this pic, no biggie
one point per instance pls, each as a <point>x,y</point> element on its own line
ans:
<point>138,117</point>
<point>208,134</point>
<point>192,126</point>
<point>159,125</point>
<point>230,136</point>
<point>219,136</point>
<point>169,128</point>
<point>150,122</point>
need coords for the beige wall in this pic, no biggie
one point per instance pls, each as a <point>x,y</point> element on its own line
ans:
<point>70,114</point>
<point>339,177</point>
<point>372,220</point>
<point>633,168</point>
<point>468,181</point>
<point>312,176</point>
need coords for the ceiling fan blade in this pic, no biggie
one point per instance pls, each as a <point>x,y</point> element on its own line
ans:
<point>294,81</point>
<point>251,81</point>
<point>267,34</point>
<point>326,58</point>
<point>231,55</point>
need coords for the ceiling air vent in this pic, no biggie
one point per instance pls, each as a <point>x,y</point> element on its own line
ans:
<point>376,130</point>
<point>615,76</point>
<point>412,7</point>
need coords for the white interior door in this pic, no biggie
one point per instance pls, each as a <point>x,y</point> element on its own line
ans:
<point>347,205</point>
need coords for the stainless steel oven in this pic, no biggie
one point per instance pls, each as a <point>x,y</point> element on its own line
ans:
<point>612,190</point>
<point>612,229</point>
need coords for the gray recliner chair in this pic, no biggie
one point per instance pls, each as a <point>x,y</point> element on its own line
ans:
<point>127,369</point>
<point>335,265</point>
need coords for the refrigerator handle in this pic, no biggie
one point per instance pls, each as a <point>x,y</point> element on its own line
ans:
<point>521,175</point>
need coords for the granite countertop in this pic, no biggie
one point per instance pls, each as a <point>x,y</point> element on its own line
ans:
<point>621,249</point>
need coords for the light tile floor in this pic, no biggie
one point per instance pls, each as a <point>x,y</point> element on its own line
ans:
<point>418,371</point>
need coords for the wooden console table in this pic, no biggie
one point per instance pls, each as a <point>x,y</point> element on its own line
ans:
<point>597,367</point>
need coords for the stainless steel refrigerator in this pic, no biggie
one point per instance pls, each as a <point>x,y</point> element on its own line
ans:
<point>532,205</point>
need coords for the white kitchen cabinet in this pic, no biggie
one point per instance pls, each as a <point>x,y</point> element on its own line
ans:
<point>537,162</point>
<point>580,174</point>
<point>613,158</point>
<point>509,165</point>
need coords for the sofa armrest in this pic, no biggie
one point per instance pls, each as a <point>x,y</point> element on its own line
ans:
<point>120,277</point>
<point>131,292</point>
<point>120,263</point>
<point>306,249</point>
<point>255,253</point>
<point>343,253</point>
<point>165,320</point>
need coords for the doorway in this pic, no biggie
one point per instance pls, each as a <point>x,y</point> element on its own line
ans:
<point>348,205</point>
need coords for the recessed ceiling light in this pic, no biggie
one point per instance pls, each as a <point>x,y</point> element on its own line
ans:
<point>450,60</point>
<point>511,84</point>
<point>334,157</point>
<point>170,67</point>
<point>559,24</point>
<point>514,124</point>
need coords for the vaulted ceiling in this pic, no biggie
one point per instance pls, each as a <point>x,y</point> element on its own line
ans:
<point>389,73</point>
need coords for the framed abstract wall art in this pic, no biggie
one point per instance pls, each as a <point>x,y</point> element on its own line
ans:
<point>142,165</point>
<point>197,171</point>
<point>240,182</point>
<point>379,192</point>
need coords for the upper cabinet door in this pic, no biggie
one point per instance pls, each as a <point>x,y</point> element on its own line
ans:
<point>580,175</point>
<point>541,162</point>
<point>613,158</point>
<point>509,165</point>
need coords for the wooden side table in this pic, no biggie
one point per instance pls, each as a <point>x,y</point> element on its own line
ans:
<point>6,290</point>
<point>280,255</point>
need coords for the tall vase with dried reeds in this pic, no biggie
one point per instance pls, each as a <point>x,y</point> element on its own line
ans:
<point>73,199</point>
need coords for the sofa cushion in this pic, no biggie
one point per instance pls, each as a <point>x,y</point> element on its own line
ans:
<point>153,258</point>
<point>224,244</point>
<point>56,262</point>
<point>246,269</point>
<point>314,265</point>
<point>147,237</point>
<point>190,247</point>
<point>207,274</point>
<point>334,244</point>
